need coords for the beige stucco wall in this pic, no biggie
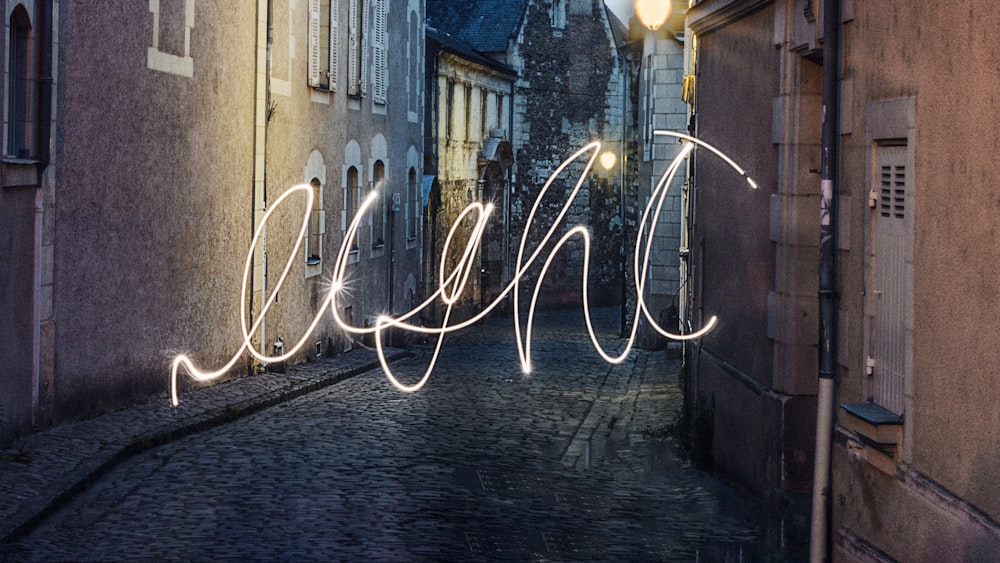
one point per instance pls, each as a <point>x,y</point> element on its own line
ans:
<point>152,210</point>
<point>337,130</point>
<point>952,427</point>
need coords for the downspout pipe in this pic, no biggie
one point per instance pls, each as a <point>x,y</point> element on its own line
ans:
<point>828,283</point>
<point>44,125</point>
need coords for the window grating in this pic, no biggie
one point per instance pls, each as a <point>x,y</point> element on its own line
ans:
<point>892,193</point>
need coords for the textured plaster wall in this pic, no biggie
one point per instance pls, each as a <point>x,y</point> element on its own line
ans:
<point>153,198</point>
<point>952,428</point>
<point>736,81</point>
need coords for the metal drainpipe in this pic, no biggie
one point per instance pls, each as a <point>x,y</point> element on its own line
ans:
<point>828,287</point>
<point>44,127</point>
<point>260,171</point>
<point>624,77</point>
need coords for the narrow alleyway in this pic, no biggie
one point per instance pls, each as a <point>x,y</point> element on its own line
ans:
<point>572,463</point>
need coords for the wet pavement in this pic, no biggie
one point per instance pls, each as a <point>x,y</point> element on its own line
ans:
<point>571,463</point>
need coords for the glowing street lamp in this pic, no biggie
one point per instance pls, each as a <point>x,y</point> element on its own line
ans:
<point>652,13</point>
<point>608,160</point>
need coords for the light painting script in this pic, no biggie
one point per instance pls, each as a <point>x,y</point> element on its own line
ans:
<point>453,284</point>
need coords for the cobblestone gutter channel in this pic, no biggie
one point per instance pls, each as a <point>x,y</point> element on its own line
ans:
<point>41,472</point>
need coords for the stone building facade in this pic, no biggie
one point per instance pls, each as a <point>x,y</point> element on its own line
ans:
<point>659,59</point>
<point>568,93</point>
<point>469,122</point>
<point>915,432</point>
<point>138,164</point>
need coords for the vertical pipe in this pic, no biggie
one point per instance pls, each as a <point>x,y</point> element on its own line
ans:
<point>623,76</point>
<point>828,288</point>
<point>44,123</point>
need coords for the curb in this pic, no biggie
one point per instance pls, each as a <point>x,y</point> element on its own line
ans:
<point>35,511</point>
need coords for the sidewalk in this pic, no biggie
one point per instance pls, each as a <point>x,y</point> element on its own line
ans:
<point>40,472</point>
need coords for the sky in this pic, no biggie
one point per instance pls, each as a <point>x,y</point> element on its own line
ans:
<point>621,8</point>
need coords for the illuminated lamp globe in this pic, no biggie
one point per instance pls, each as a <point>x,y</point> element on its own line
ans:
<point>652,13</point>
<point>608,160</point>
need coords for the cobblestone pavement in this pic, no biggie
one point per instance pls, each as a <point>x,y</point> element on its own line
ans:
<point>570,463</point>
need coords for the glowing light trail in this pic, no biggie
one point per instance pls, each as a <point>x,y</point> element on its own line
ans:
<point>452,284</point>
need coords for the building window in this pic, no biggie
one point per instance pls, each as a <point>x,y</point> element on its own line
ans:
<point>378,209</point>
<point>413,43</point>
<point>314,231</point>
<point>323,25</point>
<point>21,84</point>
<point>351,201</point>
<point>558,15</point>
<point>412,206</point>
<point>647,107</point>
<point>357,64</point>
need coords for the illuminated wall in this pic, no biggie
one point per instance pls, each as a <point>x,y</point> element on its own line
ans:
<point>152,202</point>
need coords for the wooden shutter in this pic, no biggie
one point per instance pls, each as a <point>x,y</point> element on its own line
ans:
<point>365,31</point>
<point>353,61</point>
<point>379,40</point>
<point>334,28</point>
<point>314,31</point>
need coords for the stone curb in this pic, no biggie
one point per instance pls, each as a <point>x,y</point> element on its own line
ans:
<point>36,510</point>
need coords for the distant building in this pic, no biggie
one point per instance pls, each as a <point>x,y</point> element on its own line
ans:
<point>568,93</point>
<point>657,63</point>
<point>469,157</point>
<point>137,165</point>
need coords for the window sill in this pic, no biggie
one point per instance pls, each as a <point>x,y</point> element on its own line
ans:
<point>312,261</point>
<point>879,433</point>
<point>19,172</point>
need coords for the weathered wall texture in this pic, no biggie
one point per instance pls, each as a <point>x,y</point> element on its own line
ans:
<point>152,212</point>
<point>733,255</point>
<point>568,95</point>
<point>131,250</point>
<point>943,473</point>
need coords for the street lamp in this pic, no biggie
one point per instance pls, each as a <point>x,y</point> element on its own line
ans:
<point>608,160</point>
<point>652,13</point>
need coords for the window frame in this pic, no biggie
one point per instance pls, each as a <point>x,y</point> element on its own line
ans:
<point>20,106</point>
<point>377,214</point>
<point>351,201</point>
<point>323,44</point>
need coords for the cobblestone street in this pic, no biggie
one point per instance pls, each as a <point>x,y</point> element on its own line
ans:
<point>571,463</point>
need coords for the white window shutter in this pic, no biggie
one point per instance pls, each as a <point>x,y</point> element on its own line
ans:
<point>365,26</point>
<point>353,72</point>
<point>334,27</point>
<point>314,42</point>
<point>380,39</point>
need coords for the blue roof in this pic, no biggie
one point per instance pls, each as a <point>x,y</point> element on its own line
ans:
<point>484,24</point>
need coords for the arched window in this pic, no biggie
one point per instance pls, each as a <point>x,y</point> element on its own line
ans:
<point>351,201</point>
<point>378,209</point>
<point>21,84</point>
<point>314,232</point>
<point>413,205</point>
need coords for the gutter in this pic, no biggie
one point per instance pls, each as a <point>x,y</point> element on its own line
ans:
<point>819,545</point>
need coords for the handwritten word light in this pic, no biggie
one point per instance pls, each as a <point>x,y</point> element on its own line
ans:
<point>453,283</point>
